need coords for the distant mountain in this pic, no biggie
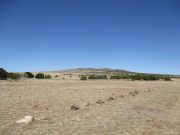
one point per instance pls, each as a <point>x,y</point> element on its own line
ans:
<point>93,70</point>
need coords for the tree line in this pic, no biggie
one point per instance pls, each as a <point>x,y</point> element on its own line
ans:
<point>5,75</point>
<point>134,77</point>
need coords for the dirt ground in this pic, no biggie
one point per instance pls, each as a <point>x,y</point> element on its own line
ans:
<point>106,107</point>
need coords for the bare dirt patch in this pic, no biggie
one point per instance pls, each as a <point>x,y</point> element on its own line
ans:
<point>105,107</point>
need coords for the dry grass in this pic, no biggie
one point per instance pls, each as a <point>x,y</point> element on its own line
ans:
<point>126,107</point>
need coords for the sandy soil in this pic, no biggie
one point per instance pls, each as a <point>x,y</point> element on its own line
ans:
<point>109,107</point>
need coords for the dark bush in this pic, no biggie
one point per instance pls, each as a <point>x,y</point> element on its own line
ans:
<point>145,77</point>
<point>97,77</point>
<point>39,76</point>
<point>48,76</point>
<point>115,77</point>
<point>13,76</point>
<point>167,78</point>
<point>123,76</point>
<point>3,74</point>
<point>101,77</point>
<point>136,77</point>
<point>29,75</point>
<point>91,77</point>
<point>56,76</point>
<point>83,77</point>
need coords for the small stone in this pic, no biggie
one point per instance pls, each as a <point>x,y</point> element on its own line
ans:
<point>86,104</point>
<point>26,120</point>
<point>100,102</point>
<point>73,107</point>
<point>136,92</point>
<point>121,96</point>
<point>44,118</point>
<point>35,106</point>
<point>76,119</point>
<point>110,99</point>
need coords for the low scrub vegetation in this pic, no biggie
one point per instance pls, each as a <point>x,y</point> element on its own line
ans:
<point>145,77</point>
<point>83,77</point>
<point>3,74</point>
<point>124,76</point>
<point>48,76</point>
<point>97,77</point>
<point>93,77</point>
<point>39,76</point>
<point>14,76</point>
<point>28,75</point>
<point>167,78</point>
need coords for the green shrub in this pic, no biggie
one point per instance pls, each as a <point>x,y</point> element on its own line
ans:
<point>97,77</point>
<point>123,76</point>
<point>13,76</point>
<point>136,77</point>
<point>39,76</point>
<point>29,75</point>
<point>56,76</point>
<point>91,77</point>
<point>48,76</point>
<point>3,74</point>
<point>145,77</point>
<point>83,77</point>
<point>167,78</point>
<point>101,77</point>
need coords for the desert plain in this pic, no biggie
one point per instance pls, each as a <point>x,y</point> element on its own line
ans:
<point>104,107</point>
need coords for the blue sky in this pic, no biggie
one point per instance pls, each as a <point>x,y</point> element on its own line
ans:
<point>135,35</point>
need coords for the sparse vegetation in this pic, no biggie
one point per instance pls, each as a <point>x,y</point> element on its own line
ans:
<point>83,77</point>
<point>48,76</point>
<point>101,77</point>
<point>91,77</point>
<point>39,76</point>
<point>145,77</point>
<point>97,77</point>
<point>3,74</point>
<point>29,75</point>
<point>14,76</point>
<point>167,78</point>
<point>123,76</point>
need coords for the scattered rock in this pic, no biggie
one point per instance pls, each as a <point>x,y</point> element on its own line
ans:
<point>110,99</point>
<point>26,120</point>
<point>73,107</point>
<point>35,106</point>
<point>100,102</point>
<point>75,119</point>
<point>86,104</point>
<point>121,96</point>
<point>45,118</point>
<point>136,92</point>
<point>131,93</point>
